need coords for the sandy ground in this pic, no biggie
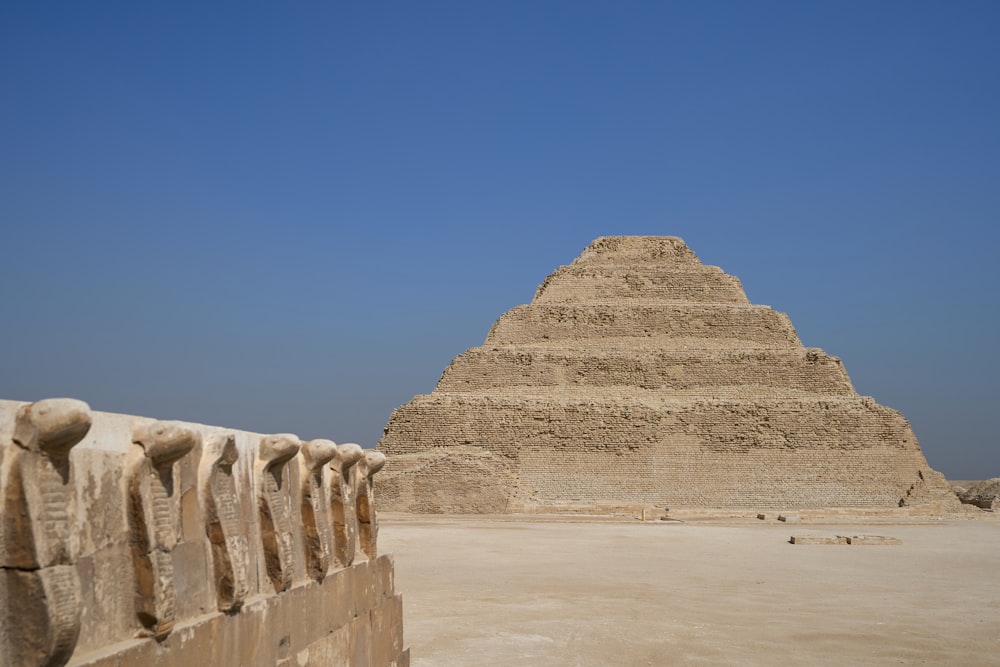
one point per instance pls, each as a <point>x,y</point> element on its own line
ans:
<point>502,592</point>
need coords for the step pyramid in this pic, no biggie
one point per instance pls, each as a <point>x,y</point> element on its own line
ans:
<point>638,375</point>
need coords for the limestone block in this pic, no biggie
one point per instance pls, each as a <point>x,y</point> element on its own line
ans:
<point>667,327</point>
<point>721,372</point>
<point>618,250</point>
<point>368,465</point>
<point>343,486</point>
<point>153,520</point>
<point>819,539</point>
<point>317,518</point>
<point>984,494</point>
<point>315,624</point>
<point>41,615</point>
<point>457,479</point>
<point>640,283</point>
<point>40,601</point>
<point>274,502</point>
<point>38,506</point>
<point>873,539</point>
<point>146,545</point>
<point>225,530</point>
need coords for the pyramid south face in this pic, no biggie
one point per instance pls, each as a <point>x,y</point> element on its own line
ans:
<point>638,375</point>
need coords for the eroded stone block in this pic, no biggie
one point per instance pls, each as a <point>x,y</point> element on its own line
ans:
<point>275,506</point>
<point>342,502</point>
<point>40,601</point>
<point>818,539</point>
<point>139,547</point>
<point>368,465</point>
<point>42,615</point>
<point>153,512</point>
<point>223,526</point>
<point>873,539</point>
<point>317,519</point>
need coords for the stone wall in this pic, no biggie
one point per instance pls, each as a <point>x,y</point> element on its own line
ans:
<point>638,375</point>
<point>128,541</point>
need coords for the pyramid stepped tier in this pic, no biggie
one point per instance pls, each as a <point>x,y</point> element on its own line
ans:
<point>685,453</point>
<point>525,367</point>
<point>644,283</point>
<point>638,375</point>
<point>677,326</point>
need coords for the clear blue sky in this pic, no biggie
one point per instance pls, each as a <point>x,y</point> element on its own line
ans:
<point>291,216</point>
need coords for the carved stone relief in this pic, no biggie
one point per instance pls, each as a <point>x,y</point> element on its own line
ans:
<point>116,537</point>
<point>317,521</point>
<point>152,503</point>
<point>226,531</point>
<point>370,464</point>
<point>342,503</point>
<point>274,506</point>
<point>41,588</point>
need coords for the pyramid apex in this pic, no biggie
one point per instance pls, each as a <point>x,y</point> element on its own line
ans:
<point>615,249</point>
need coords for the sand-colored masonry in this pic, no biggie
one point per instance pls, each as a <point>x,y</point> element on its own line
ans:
<point>638,375</point>
<point>131,541</point>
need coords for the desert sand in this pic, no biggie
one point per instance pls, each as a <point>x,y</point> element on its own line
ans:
<point>519,591</point>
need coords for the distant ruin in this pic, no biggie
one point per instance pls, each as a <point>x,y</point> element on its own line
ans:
<point>130,541</point>
<point>638,375</point>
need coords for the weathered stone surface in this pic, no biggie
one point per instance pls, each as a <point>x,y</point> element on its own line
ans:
<point>460,479</point>
<point>37,517</point>
<point>147,545</point>
<point>275,506</point>
<point>819,539</point>
<point>639,375</point>
<point>40,599</point>
<point>317,519</point>
<point>154,510</point>
<point>343,483</point>
<point>229,543</point>
<point>369,464</point>
<point>985,494</point>
<point>863,540</point>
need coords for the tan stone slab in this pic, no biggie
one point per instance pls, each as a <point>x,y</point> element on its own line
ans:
<point>873,539</point>
<point>819,539</point>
